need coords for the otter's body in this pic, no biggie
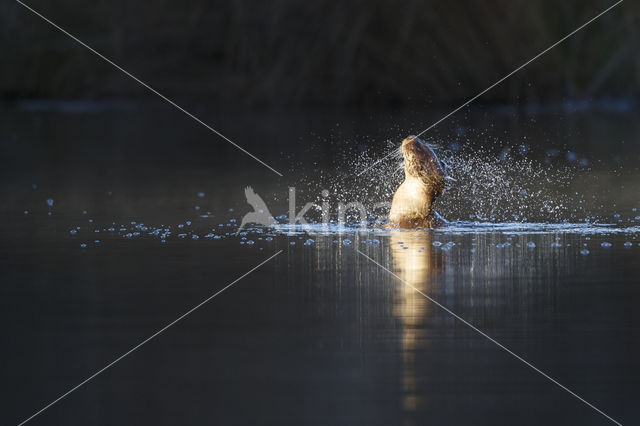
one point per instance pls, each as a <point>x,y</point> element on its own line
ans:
<point>412,205</point>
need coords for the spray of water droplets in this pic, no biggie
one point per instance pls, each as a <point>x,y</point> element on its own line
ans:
<point>482,186</point>
<point>507,187</point>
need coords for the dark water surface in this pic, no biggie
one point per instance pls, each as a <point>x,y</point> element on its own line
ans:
<point>319,335</point>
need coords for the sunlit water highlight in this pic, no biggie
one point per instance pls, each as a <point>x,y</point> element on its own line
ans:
<point>462,235</point>
<point>467,227</point>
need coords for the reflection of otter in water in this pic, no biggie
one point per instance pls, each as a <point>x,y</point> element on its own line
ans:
<point>412,205</point>
<point>414,264</point>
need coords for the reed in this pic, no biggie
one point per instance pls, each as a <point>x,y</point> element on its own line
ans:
<point>294,53</point>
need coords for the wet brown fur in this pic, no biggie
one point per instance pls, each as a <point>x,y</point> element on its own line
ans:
<point>412,205</point>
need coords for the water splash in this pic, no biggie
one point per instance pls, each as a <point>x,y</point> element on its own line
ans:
<point>482,185</point>
<point>459,228</point>
<point>508,187</point>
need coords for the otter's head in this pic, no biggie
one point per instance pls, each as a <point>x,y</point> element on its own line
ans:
<point>421,162</point>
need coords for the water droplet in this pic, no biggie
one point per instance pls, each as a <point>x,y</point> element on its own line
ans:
<point>605,244</point>
<point>584,252</point>
<point>50,202</point>
<point>531,244</point>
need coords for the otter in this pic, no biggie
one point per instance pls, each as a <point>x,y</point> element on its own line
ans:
<point>412,205</point>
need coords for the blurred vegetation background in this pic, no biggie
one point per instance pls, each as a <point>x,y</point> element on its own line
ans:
<point>294,53</point>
